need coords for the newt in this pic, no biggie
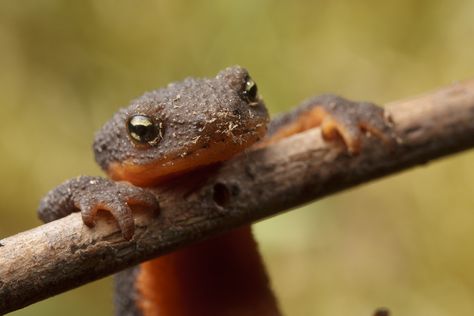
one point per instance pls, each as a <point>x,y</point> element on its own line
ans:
<point>168,133</point>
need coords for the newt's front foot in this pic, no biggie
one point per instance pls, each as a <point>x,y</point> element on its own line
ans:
<point>91,194</point>
<point>337,118</point>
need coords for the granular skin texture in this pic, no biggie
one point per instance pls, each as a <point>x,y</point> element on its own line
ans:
<point>194,114</point>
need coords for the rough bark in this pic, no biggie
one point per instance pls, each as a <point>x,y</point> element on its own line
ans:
<point>64,254</point>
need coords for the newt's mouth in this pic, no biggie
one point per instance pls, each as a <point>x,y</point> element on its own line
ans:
<point>158,171</point>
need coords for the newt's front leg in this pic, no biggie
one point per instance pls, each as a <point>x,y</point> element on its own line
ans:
<point>338,118</point>
<point>90,194</point>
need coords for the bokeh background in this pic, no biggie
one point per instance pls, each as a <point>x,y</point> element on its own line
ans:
<point>404,242</point>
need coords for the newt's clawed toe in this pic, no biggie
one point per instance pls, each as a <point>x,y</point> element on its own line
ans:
<point>338,118</point>
<point>353,121</point>
<point>91,194</point>
<point>116,197</point>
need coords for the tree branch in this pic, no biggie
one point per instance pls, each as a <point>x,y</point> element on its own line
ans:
<point>64,254</point>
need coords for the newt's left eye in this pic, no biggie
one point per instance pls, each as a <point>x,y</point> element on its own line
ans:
<point>250,89</point>
<point>144,130</point>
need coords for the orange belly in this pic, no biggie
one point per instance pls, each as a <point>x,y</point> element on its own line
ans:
<point>223,275</point>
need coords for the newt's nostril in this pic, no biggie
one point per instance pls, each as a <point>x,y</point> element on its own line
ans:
<point>221,194</point>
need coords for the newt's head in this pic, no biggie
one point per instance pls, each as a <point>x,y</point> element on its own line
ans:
<point>184,126</point>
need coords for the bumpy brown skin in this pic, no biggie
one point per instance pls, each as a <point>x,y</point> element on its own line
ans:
<point>203,121</point>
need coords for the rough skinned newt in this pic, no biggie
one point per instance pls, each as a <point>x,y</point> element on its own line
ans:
<point>170,132</point>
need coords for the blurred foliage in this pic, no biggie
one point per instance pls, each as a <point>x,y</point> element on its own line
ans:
<point>401,242</point>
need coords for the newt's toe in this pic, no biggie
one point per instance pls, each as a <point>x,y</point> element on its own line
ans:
<point>338,118</point>
<point>91,194</point>
<point>353,121</point>
<point>350,134</point>
<point>118,198</point>
<point>119,210</point>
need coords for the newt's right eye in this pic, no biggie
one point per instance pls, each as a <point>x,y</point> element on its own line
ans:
<point>144,130</point>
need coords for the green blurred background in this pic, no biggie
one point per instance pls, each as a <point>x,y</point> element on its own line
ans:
<point>401,242</point>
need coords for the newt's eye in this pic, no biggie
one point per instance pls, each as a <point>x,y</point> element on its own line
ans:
<point>250,90</point>
<point>143,130</point>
